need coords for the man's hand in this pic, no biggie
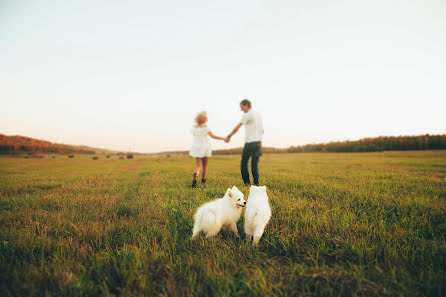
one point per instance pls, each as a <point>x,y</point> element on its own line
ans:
<point>228,138</point>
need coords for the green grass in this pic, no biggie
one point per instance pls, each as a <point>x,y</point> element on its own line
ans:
<point>343,224</point>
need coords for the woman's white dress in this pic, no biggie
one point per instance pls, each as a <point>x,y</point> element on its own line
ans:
<point>201,146</point>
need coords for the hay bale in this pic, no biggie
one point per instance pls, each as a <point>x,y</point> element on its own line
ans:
<point>70,156</point>
<point>129,156</point>
<point>95,158</point>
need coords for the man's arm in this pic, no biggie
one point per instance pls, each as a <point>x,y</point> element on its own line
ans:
<point>233,131</point>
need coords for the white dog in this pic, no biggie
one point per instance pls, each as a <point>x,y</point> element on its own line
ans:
<point>257,213</point>
<point>223,212</point>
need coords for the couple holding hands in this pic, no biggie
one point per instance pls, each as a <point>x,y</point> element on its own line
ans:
<point>201,146</point>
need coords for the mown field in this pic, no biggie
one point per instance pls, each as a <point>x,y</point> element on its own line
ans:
<point>343,224</point>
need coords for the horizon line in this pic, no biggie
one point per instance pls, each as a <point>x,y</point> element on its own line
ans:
<point>226,149</point>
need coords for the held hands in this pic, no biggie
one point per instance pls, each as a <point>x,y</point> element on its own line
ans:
<point>227,139</point>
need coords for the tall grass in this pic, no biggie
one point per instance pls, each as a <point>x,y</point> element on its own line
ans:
<point>343,225</point>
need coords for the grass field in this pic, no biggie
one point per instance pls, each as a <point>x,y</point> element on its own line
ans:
<point>371,224</point>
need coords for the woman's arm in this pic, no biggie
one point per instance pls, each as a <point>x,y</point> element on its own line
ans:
<point>215,136</point>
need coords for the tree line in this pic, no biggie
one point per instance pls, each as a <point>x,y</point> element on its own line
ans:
<point>370,144</point>
<point>12,145</point>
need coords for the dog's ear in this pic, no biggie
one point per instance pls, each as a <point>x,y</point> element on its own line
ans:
<point>230,193</point>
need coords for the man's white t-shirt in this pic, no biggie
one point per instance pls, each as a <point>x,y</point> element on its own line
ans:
<point>253,126</point>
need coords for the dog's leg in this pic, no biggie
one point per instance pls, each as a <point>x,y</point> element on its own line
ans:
<point>233,227</point>
<point>214,231</point>
<point>197,227</point>
<point>195,232</point>
<point>258,232</point>
<point>213,227</point>
<point>249,229</point>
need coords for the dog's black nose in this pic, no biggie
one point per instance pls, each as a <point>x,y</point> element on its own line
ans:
<point>244,202</point>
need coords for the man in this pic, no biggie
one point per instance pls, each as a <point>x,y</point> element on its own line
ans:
<point>253,141</point>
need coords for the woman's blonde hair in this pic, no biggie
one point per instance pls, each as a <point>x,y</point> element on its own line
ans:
<point>200,118</point>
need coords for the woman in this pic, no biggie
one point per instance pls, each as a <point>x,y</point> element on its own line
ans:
<point>201,147</point>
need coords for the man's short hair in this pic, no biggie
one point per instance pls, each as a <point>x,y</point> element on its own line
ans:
<point>246,102</point>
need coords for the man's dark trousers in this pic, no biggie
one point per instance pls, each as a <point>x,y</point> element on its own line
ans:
<point>251,150</point>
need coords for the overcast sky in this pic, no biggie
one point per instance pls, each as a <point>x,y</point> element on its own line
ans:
<point>133,74</point>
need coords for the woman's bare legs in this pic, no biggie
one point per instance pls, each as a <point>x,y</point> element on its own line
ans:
<point>205,162</point>
<point>198,165</point>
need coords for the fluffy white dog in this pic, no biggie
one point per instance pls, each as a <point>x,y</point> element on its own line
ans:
<point>220,213</point>
<point>257,213</point>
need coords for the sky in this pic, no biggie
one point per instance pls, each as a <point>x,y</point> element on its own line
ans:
<point>131,75</point>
